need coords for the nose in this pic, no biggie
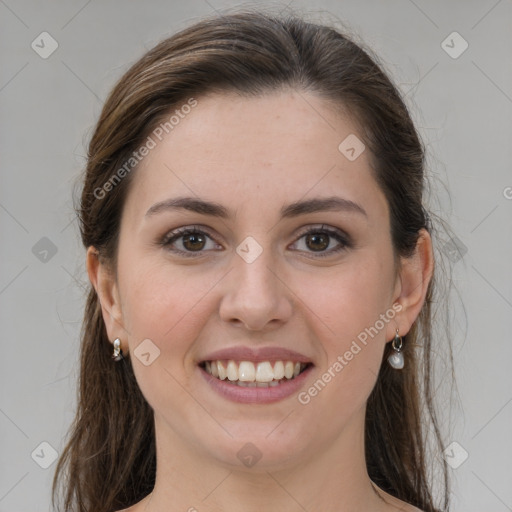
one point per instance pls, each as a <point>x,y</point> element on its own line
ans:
<point>256,295</point>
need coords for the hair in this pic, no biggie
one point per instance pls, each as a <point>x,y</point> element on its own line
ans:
<point>109,461</point>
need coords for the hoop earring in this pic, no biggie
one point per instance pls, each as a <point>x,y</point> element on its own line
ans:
<point>118,353</point>
<point>396,359</point>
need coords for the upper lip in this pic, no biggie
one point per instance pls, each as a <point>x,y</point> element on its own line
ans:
<point>243,353</point>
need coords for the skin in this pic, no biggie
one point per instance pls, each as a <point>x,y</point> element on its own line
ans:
<point>253,156</point>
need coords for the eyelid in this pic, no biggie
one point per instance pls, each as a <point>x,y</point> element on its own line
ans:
<point>343,238</point>
<point>178,233</point>
<point>340,235</point>
<point>324,227</point>
<point>184,230</point>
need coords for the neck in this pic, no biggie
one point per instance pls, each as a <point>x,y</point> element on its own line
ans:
<point>332,479</point>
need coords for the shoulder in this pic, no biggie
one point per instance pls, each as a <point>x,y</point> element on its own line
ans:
<point>396,503</point>
<point>403,506</point>
<point>138,507</point>
<point>407,507</point>
<point>133,508</point>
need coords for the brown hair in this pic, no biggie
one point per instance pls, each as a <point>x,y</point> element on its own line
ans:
<point>109,461</point>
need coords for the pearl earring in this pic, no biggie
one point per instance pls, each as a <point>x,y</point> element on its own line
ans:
<point>396,359</point>
<point>118,354</point>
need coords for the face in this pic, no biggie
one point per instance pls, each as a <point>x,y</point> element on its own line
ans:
<point>267,286</point>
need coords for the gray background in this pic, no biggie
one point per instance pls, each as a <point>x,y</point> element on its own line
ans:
<point>463,107</point>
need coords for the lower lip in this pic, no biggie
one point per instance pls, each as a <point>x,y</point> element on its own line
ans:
<point>255,395</point>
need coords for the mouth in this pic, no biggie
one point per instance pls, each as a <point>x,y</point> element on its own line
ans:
<point>252,375</point>
<point>257,374</point>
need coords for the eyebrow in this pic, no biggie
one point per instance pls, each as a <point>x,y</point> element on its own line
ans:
<point>213,209</point>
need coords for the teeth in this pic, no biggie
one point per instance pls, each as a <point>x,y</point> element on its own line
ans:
<point>278,370</point>
<point>247,384</point>
<point>249,374</point>
<point>288,369</point>
<point>264,372</point>
<point>246,371</point>
<point>221,370</point>
<point>232,371</point>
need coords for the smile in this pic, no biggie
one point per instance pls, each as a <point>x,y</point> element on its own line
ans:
<point>262,374</point>
<point>255,382</point>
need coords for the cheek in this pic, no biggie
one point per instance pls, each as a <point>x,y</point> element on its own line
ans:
<point>351,298</point>
<point>354,309</point>
<point>163,302</point>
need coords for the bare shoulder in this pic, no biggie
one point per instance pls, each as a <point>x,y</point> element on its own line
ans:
<point>397,504</point>
<point>138,507</point>
<point>407,507</point>
<point>402,506</point>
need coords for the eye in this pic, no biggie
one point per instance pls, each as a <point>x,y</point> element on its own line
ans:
<point>193,240</point>
<point>317,240</point>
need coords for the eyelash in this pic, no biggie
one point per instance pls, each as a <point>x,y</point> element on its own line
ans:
<point>171,237</point>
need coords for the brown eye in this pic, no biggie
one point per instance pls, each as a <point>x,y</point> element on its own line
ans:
<point>194,241</point>
<point>317,241</point>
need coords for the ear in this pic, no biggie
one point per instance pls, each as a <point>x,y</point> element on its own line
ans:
<point>104,282</point>
<point>412,284</point>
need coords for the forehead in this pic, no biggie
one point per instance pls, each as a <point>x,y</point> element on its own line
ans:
<point>246,152</point>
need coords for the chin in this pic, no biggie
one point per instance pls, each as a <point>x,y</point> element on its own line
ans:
<point>265,448</point>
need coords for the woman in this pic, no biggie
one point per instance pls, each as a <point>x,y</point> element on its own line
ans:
<point>261,268</point>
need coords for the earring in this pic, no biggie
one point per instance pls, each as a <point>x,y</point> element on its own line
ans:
<point>396,359</point>
<point>118,354</point>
